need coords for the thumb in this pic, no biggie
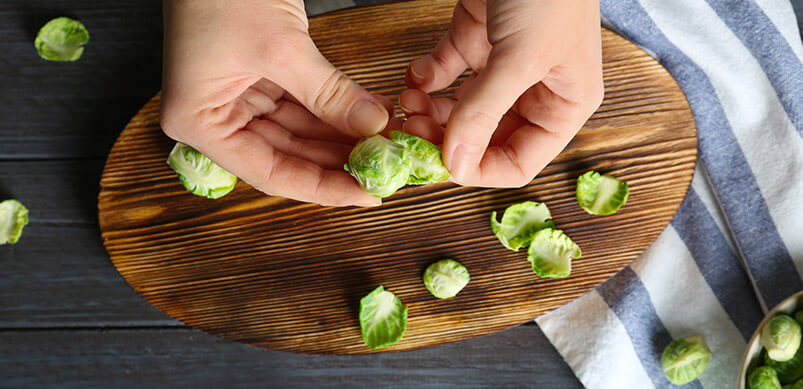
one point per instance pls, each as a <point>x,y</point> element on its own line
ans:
<point>329,94</point>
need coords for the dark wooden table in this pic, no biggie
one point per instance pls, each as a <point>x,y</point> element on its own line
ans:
<point>68,319</point>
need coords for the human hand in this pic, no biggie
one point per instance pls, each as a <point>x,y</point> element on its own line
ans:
<point>244,84</point>
<point>538,78</point>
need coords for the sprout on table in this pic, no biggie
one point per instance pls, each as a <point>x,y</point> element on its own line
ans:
<point>61,39</point>
<point>601,194</point>
<point>383,318</point>
<point>13,217</point>
<point>446,278</point>
<point>684,360</point>
<point>551,253</point>
<point>520,222</point>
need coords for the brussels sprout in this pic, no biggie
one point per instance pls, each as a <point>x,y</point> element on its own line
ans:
<point>781,337</point>
<point>600,194</point>
<point>446,278</point>
<point>13,217</point>
<point>61,39</point>
<point>551,253</point>
<point>763,377</point>
<point>199,174</point>
<point>797,385</point>
<point>426,163</point>
<point>520,222</point>
<point>383,318</point>
<point>684,360</point>
<point>380,165</point>
<point>788,371</point>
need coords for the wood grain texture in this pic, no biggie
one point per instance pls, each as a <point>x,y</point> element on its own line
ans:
<point>277,273</point>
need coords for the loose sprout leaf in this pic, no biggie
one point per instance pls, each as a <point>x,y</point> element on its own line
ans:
<point>446,278</point>
<point>426,163</point>
<point>61,39</point>
<point>13,217</point>
<point>600,194</point>
<point>380,165</point>
<point>683,360</point>
<point>199,174</point>
<point>781,337</point>
<point>551,253</point>
<point>763,377</point>
<point>788,371</point>
<point>520,222</point>
<point>383,318</point>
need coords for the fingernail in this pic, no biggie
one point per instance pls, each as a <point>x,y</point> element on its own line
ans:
<point>460,163</point>
<point>417,77</point>
<point>367,117</point>
<point>405,109</point>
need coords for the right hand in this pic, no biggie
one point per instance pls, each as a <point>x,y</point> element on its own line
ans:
<point>244,84</point>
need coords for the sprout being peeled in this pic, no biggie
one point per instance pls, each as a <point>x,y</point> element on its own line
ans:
<point>600,194</point>
<point>13,217</point>
<point>551,253</point>
<point>781,337</point>
<point>446,278</point>
<point>520,222</point>
<point>380,165</point>
<point>426,163</point>
<point>199,174</point>
<point>61,39</point>
<point>383,318</point>
<point>683,360</point>
<point>763,377</point>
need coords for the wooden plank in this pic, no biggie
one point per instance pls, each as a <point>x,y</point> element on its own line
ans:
<point>519,357</point>
<point>277,273</point>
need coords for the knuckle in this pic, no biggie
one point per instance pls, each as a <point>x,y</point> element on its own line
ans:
<point>332,93</point>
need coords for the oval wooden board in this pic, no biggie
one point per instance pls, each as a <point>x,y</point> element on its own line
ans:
<point>281,274</point>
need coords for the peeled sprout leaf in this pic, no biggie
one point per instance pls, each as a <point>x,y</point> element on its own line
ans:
<point>61,39</point>
<point>199,174</point>
<point>13,217</point>
<point>426,163</point>
<point>380,165</point>
<point>520,222</point>
<point>446,278</point>
<point>781,338</point>
<point>763,377</point>
<point>684,360</point>
<point>383,318</point>
<point>788,371</point>
<point>600,194</point>
<point>551,253</point>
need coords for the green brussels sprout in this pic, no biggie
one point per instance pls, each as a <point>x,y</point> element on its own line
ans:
<point>446,278</point>
<point>763,377</point>
<point>788,371</point>
<point>520,222</point>
<point>61,39</point>
<point>781,337</point>
<point>551,253</point>
<point>13,217</point>
<point>797,385</point>
<point>600,194</point>
<point>380,165</point>
<point>426,163</point>
<point>684,360</point>
<point>383,318</point>
<point>199,174</point>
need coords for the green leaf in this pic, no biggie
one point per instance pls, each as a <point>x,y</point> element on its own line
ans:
<point>763,377</point>
<point>199,174</point>
<point>683,360</point>
<point>13,217</point>
<point>551,253</point>
<point>781,338</point>
<point>600,194</point>
<point>445,278</point>
<point>426,163</point>
<point>379,165</point>
<point>788,371</point>
<point>61,39</point>
<point>383,318</point>
<point>520,222</point>
<point>797,385</point>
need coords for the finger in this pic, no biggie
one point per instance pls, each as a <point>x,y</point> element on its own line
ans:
<point>477,114</point>
<point>416,102</point>
<point>424,127</point>
<point>540,106</point>
<point>328,93</point>
<point>325,154</point>
<point>302,123</point>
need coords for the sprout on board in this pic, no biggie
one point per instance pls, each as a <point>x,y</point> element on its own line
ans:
<point>199,174</point>
<point>551,253</point>
<point>763,377</point>
<point>600,194</point>
<point>426,163</point>
<point>781,338</point>
<point>684,360</point>
<point>13,217</point>
<point>520,222</point>
<point>61,39</point>
<point>383,318</point>
<point>446,278</point>
<point>380,165</point>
